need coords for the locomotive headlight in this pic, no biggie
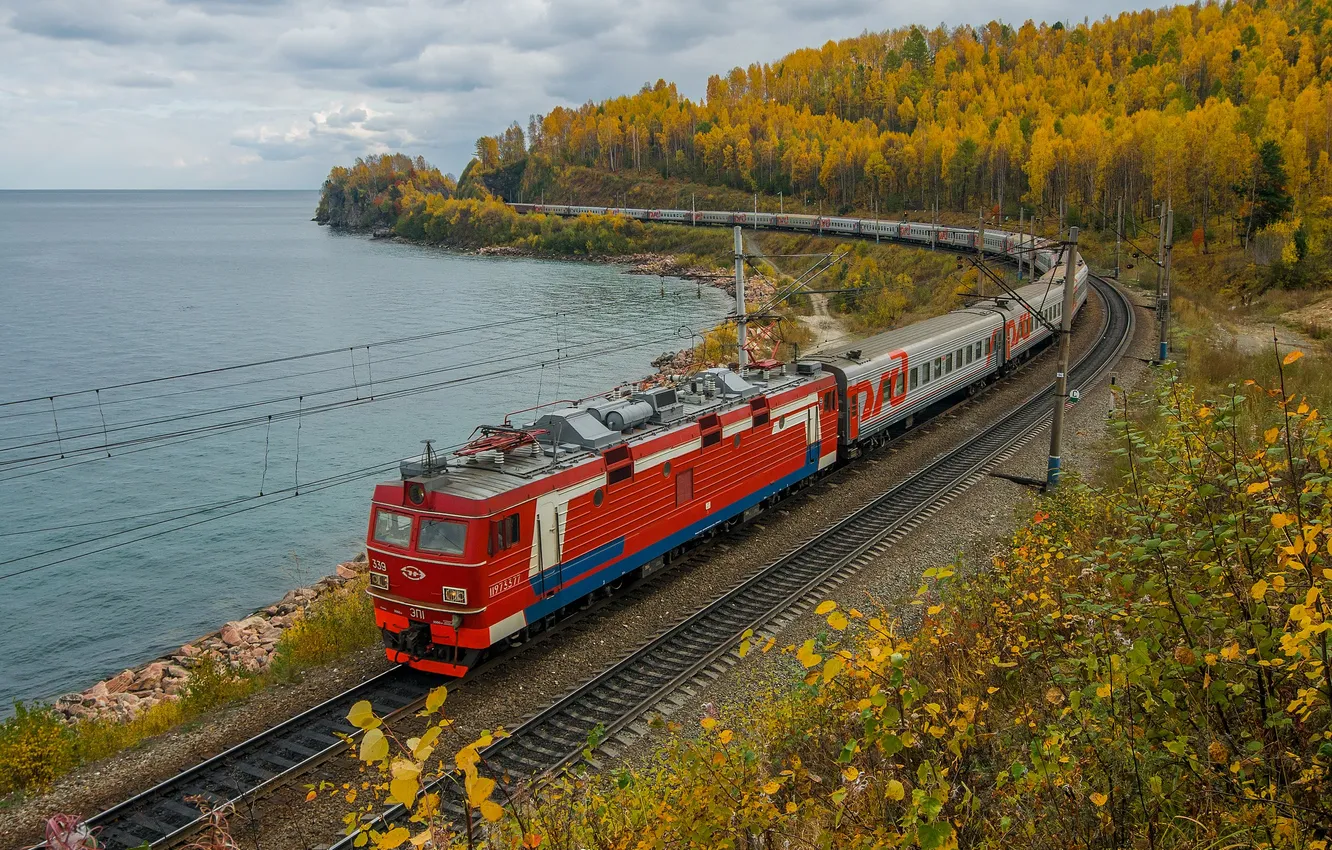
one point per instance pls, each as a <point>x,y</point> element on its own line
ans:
<point>456,595</point>
<point>379,581</point>
<point>416,492</point>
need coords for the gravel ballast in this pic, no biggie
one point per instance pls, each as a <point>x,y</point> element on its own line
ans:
<point>518,686</point>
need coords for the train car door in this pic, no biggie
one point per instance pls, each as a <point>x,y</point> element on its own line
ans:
<point>550,517</point>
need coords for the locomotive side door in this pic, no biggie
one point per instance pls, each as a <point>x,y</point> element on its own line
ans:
<point>547,543</point>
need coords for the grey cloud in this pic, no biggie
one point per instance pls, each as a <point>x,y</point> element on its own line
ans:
<point>143,80</point>
<point>116,24</point>
<point>273,92</point>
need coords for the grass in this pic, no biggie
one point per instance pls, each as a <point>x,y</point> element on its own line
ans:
<point>37,747</point>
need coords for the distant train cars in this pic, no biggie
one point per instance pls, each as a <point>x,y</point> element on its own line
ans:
<point>488,545</point>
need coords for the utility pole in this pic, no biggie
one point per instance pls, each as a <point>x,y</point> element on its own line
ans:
<point>756,210</point>
<point>1022,238</point>
<point>980,252</point>
<point>934,234</point>
<point>1119,233</point>
<point>1052,469</point>
<point>1163,305</point>
<point>876,221</point>
<point>740,319</point>
<point>781,207</point>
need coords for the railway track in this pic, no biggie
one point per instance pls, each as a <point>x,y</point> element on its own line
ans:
<point>699,647</point>
<point>162,816</point>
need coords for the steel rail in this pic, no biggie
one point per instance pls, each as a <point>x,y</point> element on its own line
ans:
<point>700,645</point>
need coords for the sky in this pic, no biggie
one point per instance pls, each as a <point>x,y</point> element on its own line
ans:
<point>269,94</point>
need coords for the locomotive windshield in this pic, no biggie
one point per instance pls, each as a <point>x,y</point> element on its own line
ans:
<point>392,528</point>
<point>443,536</point>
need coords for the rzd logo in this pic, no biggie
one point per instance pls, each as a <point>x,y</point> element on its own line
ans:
<point>412,572</point>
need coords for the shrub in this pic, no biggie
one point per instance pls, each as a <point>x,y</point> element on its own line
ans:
<point>331,628</point>
<point>35,748</point>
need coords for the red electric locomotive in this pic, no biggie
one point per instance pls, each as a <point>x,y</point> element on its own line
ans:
<point>489,544</point>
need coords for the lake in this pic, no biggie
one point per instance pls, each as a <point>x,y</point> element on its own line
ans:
<point>112,560</point>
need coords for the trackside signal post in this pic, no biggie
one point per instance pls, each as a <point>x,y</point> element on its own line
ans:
<point>1052,470</point>
<point>1163,297</point>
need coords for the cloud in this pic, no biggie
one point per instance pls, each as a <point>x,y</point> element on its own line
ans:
<point>142,80</point>
<point>271,93</point>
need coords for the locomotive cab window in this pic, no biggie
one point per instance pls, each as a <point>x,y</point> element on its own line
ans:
<point>445,536</point>
<point>504,533</point>
<point>393,528</point>
<point>830,400</point>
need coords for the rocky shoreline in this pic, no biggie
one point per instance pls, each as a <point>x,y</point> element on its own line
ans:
<point>248,644</point>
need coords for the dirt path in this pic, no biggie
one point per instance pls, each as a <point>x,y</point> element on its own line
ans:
<point>823,326</point>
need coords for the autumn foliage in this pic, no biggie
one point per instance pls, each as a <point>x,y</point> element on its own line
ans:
<point>1146,665</point>
<point>1145,106</point>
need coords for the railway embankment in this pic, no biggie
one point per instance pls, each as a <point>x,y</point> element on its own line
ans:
<point>250,644</point>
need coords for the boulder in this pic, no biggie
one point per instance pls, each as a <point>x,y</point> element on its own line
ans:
<point>175,671</point>
<point>231,634</point>
<point>96,692</point>
<point>346,571</point>
<point>152,674</point>
<point>120,682</point>
<point>189,650</point>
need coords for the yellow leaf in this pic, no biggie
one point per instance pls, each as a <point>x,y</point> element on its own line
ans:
<point>772,787</point>
<point>725,736</point>
<point>420,838</point>
<point>991,689</point>
<point>374,746</point>
<point>426,743</point>
<point>1282,520</point>
<point>1103,691</point>
<point>1099,799</point>
<point>491,811</point>
<point>362,716</point>
<point>838,621</point>
<point>767,647</point>
<point>404,790</point>
<point>311,795</point>
<point>392,838</point>
<point>791,808</point>
<point>744,648</point>
<point>1271,434</point>
<point>807,656</point>
<point>825,607</point>
<point>1259,589</point>
<point>832,668</point>
<point>1259,486</point>
<point>478,789</point>
<point>1291,358</point>
<point>933,609</point>
<point>435,699</point>
<point>850,773</point>
<point>895,791</point>
<point>708,723</point>
<point>351,796</point>
<point>1278,583</point>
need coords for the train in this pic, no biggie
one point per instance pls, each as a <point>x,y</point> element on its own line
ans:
<point>488,545</point>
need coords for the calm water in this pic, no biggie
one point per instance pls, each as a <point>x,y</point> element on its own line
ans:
<point>103,288</point>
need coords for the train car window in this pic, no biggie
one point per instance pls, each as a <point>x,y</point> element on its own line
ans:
<point>619,464</point>
<point>503,533</point>
<point>969,355</point>
<point>958,361</point>
<point>710,427</point>
<point>393,528</point>
<point>901,383</point>
<point>758,409</point>
<point>684,487</point>
<point>938,367</point>
<point>915,376</point>
<point>948,363</point>
<point>442,535</point>
<point>925,375</point>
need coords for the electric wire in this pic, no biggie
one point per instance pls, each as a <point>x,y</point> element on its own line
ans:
<point>272,360</point>
<point>61,453</point>
<point>283,495</point>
